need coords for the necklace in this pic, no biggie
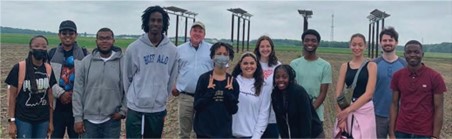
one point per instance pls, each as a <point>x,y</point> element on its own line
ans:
<point>36,67</point>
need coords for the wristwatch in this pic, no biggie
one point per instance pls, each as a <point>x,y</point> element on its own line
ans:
<point>11,119</point>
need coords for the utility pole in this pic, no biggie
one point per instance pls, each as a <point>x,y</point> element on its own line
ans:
<point>332,27</point>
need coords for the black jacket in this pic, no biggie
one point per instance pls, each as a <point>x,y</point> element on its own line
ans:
<point>214,107</point>
<point>294,104</point>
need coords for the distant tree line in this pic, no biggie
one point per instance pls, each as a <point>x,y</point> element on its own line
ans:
<point>24,31</point>
<point>445,47</point>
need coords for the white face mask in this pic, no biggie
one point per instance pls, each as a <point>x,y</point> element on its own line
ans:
<point>221,61</point>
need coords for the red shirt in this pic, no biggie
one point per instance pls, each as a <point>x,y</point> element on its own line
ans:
<point>416,109</point>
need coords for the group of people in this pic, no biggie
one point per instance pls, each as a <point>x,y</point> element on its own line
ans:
<point>69,90</point>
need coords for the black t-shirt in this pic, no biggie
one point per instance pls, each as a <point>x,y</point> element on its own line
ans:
<point>68,53</point>
<point>32,106</point>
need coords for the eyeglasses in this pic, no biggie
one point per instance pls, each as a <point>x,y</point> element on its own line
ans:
<point>104,38</point>
<point>65,33</point>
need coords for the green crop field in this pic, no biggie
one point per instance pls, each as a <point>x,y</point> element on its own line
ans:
<point>89,42</point>
<point>13,48</point>
<point>331,50</point>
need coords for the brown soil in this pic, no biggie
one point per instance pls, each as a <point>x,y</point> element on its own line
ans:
<point>12,53</point>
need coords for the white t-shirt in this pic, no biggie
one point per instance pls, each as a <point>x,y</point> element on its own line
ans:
<point>251,118</point>
<point>268,77</point>
<point>108,58</point>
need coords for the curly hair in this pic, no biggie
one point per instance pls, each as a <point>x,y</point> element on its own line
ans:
<point>272,59</point>
<point>391,32</point>
<point>258,74</point>
<point>218,45</point>
<point>105,29</point>
<point>289,70</point>
<point>413,42</point>
<point>146,15</point>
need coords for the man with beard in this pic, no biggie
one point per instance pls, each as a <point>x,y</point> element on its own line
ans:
<point>417,99</point>
<point>62,59</point>
<point>388,63</point>
<point>98,102</point>
<point>149,72</point>
<point>313,72</point>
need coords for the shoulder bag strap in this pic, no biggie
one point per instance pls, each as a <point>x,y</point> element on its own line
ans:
<point>21,78</point>
<point>357,73</point>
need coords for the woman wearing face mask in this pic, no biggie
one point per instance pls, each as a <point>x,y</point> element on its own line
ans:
<point>216,96</point>
<point>29,93</point>
<point>251,119</point>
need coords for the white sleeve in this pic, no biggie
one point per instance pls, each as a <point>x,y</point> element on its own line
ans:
<point>56,89</point>
<point>264,113</point>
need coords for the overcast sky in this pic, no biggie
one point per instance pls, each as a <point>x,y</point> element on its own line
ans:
<point>427,21</point>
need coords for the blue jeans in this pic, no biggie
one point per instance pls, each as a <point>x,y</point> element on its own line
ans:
<point>271,131</point>
<point>109,129</point>
<point>153,124</point>
<point>412,136</point>
<point>32,129</point>
<point>382,126</point>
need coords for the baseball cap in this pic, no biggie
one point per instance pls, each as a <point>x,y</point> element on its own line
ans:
<point>198,23</point>
<point>68,25</point>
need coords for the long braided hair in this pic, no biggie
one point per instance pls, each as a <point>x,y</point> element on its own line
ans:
<point>289,70</point>
<point>146,17</point>
<point>29,64</point>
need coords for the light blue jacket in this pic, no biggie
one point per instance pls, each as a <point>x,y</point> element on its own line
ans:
<point>192,64</point>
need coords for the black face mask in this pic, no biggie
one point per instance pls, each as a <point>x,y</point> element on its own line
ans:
<point>39,54</point>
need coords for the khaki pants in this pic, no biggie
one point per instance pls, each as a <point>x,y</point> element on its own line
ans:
<point>186,114</point>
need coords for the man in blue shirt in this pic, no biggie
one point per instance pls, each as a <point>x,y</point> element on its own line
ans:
<point>194,61</point>
<point>388,63</point>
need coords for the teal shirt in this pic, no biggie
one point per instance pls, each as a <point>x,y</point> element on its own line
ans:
<point>310,75</point>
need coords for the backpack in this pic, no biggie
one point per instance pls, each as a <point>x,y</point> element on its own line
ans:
<point>21,78</point>
<point>52,52</point>
<point>22,69</point>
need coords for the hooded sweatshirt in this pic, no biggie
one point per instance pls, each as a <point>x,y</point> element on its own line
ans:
<point>149,73</point>
<point>58,64</point>
<point>251,118</point>
<point>98,88</point>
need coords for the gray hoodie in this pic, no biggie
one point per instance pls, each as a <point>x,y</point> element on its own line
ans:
<point>98,89</point>
<point>149,73</point>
